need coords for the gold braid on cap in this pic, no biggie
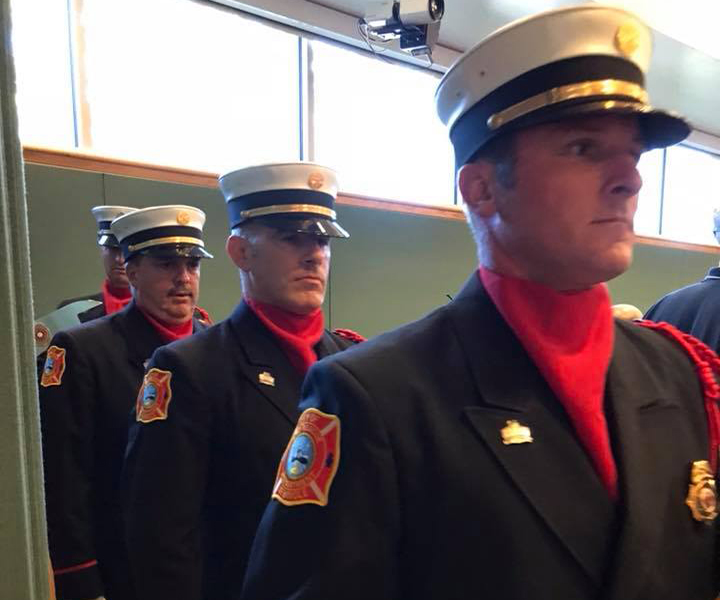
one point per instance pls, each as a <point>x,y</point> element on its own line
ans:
<point>278,209</point>
<point>180,239</point>
<point>585,89</point>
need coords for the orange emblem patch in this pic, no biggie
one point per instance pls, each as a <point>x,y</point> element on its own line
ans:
<point>54,367</point>
<point>154,396</point>
<point>310,462</point>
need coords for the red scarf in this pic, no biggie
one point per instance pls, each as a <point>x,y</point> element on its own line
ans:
<point>569,337</point>
<point>297,333</point>
<point>115,299</point>
<point>169,333</point>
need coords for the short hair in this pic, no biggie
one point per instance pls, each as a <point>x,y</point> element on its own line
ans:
<point>500,152</point>
<point>247,230</point>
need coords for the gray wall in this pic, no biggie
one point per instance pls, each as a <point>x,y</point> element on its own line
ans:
<point>394,268</point>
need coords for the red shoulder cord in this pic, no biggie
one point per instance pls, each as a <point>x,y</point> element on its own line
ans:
<point>203,315</point>
<point>349,334</point>
<point>707,365</point>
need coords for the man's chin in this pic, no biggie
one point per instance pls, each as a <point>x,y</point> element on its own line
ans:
<point>119,282</point>
<point>178,315</point>
<point>306,303</point>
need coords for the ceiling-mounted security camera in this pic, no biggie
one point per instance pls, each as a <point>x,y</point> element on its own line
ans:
<point>420,12</point>
<point>416,23</point>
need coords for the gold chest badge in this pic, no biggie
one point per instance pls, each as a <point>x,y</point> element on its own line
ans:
<point>702,493</point>
<point>515,433</point>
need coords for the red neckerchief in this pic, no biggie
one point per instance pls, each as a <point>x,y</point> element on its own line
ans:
<point>169,333</point>
<point>297,333</point>
<point>569,337</point>
<point>115,299</point>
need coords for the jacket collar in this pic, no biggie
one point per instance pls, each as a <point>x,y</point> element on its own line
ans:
<point>265,364</point>
<point>615,546</point>
<point>574,505</point>
<point>140,336</point>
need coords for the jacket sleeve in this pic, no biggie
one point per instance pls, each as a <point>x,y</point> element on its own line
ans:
<point>164,482</point>
<point>350,547</point>
<point>67,405</point>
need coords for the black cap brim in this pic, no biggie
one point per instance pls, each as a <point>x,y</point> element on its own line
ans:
<point>175,250</point>
<point>658,128</point>
<point>108,240</point>
<point>318,226</point>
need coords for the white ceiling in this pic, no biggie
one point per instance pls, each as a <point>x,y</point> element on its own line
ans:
<point>685,71</point>
<point>466,22</point>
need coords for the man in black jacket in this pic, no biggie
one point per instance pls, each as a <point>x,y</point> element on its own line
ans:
<point>694,308</point>
<point>200,471</point>
<point>88,386</point>
<point>517,443</point>
<point>115,292</point>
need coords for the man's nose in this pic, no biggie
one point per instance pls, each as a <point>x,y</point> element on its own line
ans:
<point>316,251</point>
<point>625,180</point>
<point>183,272</point>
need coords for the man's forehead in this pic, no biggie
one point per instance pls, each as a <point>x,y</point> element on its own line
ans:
<point>597,124</point>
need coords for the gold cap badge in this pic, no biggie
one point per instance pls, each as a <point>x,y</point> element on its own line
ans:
<point>316,180</point>
<point>627,39</point>
<point>183,217</point>
<point>515,433</point>
<point>702,494</point>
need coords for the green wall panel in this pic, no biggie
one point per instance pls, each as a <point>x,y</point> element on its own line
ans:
<point>657,271</point>
<point>395,268</point>
<point>64,257</point>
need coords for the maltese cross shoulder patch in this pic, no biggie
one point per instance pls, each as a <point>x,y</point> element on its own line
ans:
<point>310,461</point>
<point>154,396</point>
<point>54,367</point>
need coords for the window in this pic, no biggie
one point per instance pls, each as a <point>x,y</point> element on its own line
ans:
<point>375,122</point>
<point>44,90</point>
<point>206,89</point>
<point>195,85</point>
<point>692,191</point>
<point>647,217</point>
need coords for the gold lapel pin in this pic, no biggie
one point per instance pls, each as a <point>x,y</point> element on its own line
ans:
<point>515,433</point>
<point>702,494</point>
<point>266,379</point>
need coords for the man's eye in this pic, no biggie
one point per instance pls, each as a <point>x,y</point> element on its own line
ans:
<point>581,147</point>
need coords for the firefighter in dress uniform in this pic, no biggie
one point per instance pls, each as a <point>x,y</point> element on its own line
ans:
<point>199,472</point>
<point>519,442</point>
<point>694,308</point>
<point>88,387</point>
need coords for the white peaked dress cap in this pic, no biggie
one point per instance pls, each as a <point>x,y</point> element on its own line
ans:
<point>588,59</point>
<point>104,215</point>
<point>172,230</point>
<point>297,196</point>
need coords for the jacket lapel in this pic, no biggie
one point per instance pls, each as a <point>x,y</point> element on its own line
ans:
<point>140,336</point>
<point>642,424</point>
<point>264,363</point>
<point>553,471</point>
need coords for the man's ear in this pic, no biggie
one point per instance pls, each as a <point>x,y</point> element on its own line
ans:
<point>239,249</point>
<point>131,270</point>
<point>475,183</point>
